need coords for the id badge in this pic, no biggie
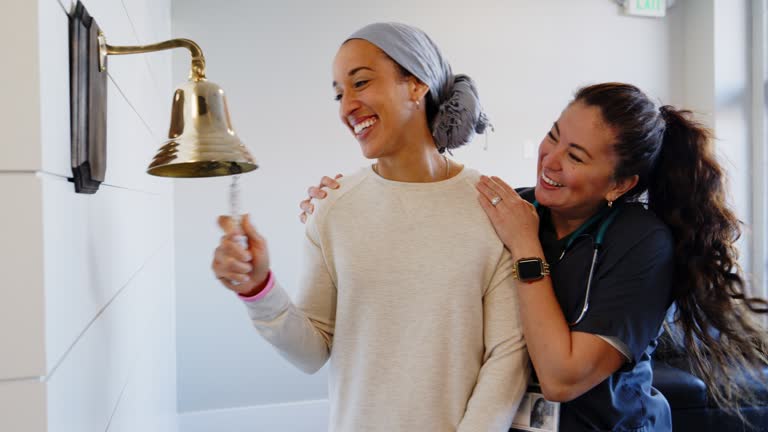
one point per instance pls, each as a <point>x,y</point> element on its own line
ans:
<point>536,413</point>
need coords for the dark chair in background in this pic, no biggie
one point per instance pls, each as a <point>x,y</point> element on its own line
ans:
<point>687,395</point>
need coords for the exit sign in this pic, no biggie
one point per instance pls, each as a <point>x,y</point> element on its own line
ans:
<point>657,8</point>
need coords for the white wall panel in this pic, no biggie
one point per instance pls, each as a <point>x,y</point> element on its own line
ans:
<point>21,278</point>
<point>131,144</point>
<point>84,391</point>
<point>20,89</point>
<point>86,290</point>
<point>105,260</point>
<point>22,406</point>
<point>54,89</point>
<point>94,245</point>
<point>151,21</point>
<point>130,147</point>
<point>66,5</point>
<point>129,72</point>
<point>149,401</point>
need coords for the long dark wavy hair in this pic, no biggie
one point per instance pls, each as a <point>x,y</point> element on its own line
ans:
<point>681,181</point>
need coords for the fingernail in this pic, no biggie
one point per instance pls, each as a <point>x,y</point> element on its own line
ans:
<point>248,257</point>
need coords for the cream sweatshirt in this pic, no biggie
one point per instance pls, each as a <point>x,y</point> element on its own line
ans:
<point>408,292</point>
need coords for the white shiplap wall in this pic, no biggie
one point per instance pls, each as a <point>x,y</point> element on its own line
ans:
<point>87,321</point>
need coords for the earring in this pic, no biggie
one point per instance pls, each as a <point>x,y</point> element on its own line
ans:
<point>610,204</point>
<point>418,104</point>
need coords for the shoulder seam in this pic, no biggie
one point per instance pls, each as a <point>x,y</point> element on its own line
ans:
<point>325,210</point>
<point>344,191</point>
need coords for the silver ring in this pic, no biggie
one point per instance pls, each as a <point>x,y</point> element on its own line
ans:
<point>495,201</point>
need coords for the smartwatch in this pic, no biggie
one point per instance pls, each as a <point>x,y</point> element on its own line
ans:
<point>530,269</point>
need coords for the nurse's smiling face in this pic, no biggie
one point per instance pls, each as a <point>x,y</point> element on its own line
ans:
<point>576,164</point>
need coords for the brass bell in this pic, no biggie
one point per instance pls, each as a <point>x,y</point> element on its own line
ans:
<point>201,141</point>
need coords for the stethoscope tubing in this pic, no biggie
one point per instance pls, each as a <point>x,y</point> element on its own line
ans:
<point>611,215</point>
<point>585,308</point>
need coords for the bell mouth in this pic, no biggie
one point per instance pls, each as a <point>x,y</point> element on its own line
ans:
<point>202,169</point>
<point>196,156</point>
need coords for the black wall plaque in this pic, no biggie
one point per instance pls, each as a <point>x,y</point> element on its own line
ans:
<point>88,103</point>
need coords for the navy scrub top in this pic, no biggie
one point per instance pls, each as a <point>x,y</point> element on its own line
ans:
<point>631,292</point>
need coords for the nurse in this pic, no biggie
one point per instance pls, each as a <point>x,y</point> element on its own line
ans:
<point>628,216</point>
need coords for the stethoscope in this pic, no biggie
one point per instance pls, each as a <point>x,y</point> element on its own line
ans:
<point>607,215</point>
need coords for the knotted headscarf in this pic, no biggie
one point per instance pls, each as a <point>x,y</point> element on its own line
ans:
<point>459,114</point>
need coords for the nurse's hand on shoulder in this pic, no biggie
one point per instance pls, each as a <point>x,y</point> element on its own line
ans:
<point>514,219</point>
<point>317,192</point>
<point>243,270</point>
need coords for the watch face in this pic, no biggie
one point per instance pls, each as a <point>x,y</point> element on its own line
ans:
<point>528,269</point>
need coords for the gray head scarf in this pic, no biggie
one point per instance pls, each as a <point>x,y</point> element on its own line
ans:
<point>459,114</point>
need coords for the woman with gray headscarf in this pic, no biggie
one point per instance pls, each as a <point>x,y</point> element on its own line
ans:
<point>418,339</point>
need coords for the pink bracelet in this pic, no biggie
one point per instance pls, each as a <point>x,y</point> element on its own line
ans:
<point>263,293</point>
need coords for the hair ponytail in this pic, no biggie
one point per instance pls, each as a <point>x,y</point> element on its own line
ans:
<point>686,190</point>
<point>674,158</point>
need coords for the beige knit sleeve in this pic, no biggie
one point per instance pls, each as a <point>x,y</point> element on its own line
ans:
<point>504,373</point>
<point>301,331</point>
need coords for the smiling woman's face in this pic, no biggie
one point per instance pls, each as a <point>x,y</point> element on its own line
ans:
<point>376,102</point>
<point>576,163</point>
